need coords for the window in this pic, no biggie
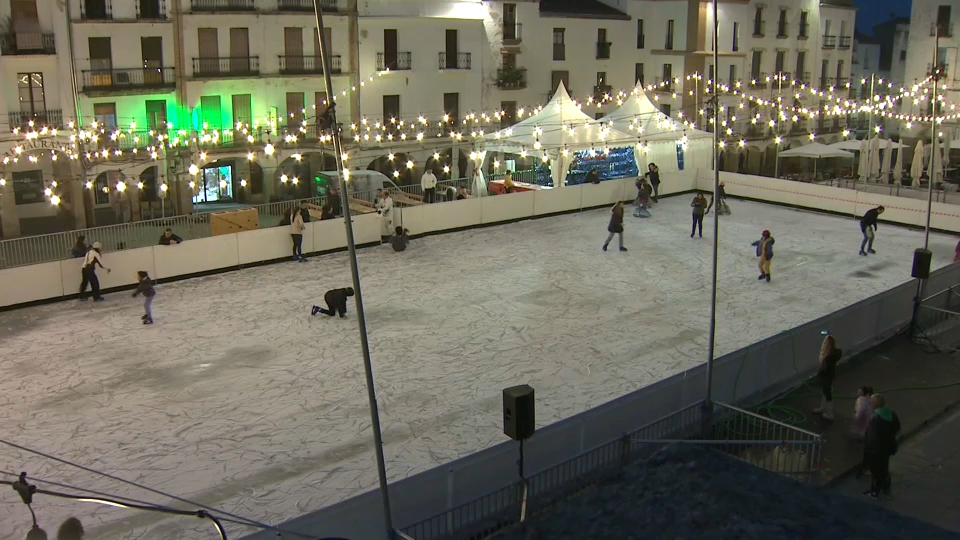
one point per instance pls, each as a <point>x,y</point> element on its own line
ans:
<point>755,65</point>
<point>151,52</point>
<point>603,46</point>
<point>943,19</point>
<point>320,107</point>
<point>30,88</point>
<point>782,24</point>
<point>666,109</point>
<point>903,56</point>
<point>843,28</point>
<point>824,71</point>
<point>557,77</point>
<point>295,107</point>
<point>149,179</point>
<point>451,106</point>
<point>839,70</point>
<point>638,74</point>
<point>28,187</point>
<point>509,60</point>
<point>559,47</point>
<point>601,78</point>
<point>509,116</point>
<point>100,56</point>
<point>801,74</point>
<point>640,36</point>
<point>106,115</point>
<point>391,107</point>
<point>778,62</point>
<point>667,74</point>
<point>758,22</point>
<point>733,75</point>
<point>156,114</point>
<point>804,25</point>
<point>211,114</point>
<point>242,113</point>
<point>669,44</point>
<point>736,37</point>
<point>240,50</point>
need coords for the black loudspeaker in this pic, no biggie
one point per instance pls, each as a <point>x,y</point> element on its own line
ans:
<point>518,414</point>
<point>921,263</point>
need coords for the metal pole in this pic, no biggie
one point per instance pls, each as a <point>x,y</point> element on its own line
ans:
<point>776,158</point>
<point>352,248</point>
<point>711,344</point>
<point>869,160</point>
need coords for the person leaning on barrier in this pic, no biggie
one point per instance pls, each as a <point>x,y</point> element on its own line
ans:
<point>169,239</point>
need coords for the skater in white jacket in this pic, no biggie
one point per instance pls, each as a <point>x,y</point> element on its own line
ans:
<point>385,209</point>
<point>429,184</point>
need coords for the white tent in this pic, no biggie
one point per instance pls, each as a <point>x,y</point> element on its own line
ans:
<point>659,134</point>
<point>557,129</point>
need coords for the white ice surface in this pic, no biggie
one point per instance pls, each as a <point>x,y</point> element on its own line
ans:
<point>237,398</point>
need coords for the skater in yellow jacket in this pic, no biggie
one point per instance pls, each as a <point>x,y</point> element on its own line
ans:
<point>765,252</point>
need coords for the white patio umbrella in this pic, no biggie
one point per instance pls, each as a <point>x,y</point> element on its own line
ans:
<point>816,151</point>
<point>916,169</point>
<point>887,159</point>
<point>862,166</point>
<point>851,144</point>
<point>898,166</point>
<point>935,170</point>
<point>874,158</point>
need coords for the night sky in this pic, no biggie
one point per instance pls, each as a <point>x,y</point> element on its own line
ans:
<point>872,12</point>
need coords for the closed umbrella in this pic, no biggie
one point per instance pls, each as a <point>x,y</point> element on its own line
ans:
<point>862,166</point>
<point>898,166</point>
<point>887,159</point>
<point>916,169</point>
<point>935,172</point>
<point>874,158</point>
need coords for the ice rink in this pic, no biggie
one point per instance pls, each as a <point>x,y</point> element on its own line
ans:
<point>237,398</point>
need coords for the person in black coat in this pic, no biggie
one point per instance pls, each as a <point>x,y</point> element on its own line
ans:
<point>333,200</point>
<point>169,239</point>
<point>879,443</point>
<point>616,225</point>
<point>830,356</point>
<point>653,173</point>
<point>593,177</point>
<point>336,300</point>
<point>868,226</point>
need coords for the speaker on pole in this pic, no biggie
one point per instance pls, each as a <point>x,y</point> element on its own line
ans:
<point>518,412</point>
<point>921,263</point>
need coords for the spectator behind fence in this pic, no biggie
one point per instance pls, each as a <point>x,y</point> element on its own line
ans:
<point>880,443</point>
<point>462,194</point>
<point>285,220</point>
<point>304,212</point>
<point>327,211</point>
<point>593,177</point>
<point>508,184</point>
<point>80,247</point>
<point>333,199</point>
<point>169,239</point>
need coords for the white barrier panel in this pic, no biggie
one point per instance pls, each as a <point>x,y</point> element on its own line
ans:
<point>606,193</point>
<point>328,235</point>
<point>552,201</point>
<point>30,283</point>
<point>194,256</point>
<point>366,229</point>
<point>453,215</point>
<point>507,207</point>
<point>266,245</point>
<point>123,266</point>
<point>674,182</point>
<point>411,218</point>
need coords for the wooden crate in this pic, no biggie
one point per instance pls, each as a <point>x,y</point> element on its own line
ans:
<point>234,221</point>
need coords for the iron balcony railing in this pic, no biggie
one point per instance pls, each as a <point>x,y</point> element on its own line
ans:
<point>294,65</point>
<point>829,42</point>
<point>307,5</point>
<point>801,76</point>
<point>512,78</point>
<point>23,43</point>
<point>231,66</point>
<point>845,42</point>
<point>120,79</point>
<point>152,9</point>
<point>512,33</point>
<point>460,60</point>
<point>49,118</point>
<point>224,5</point>
<point>403,61</point>
<point>758,79</point>
<point>96,10</point>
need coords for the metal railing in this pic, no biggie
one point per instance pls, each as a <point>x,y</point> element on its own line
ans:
<point>96,10</point>
<point>152,9</point>
<point>119,79</point>
<point>22,43</point>
<point>946,30</point>
<point>512,33</point>
<point>829,42</point>
<point>225,5</point>
<point>307,5</point>
<point>939,319</point>
<point>845,42</point>
<point>49,117</point>
<point>764,442</point>
<point>402,62</point>
<point>460,60</point>
<point>292,65</point>
<point>226,66</point>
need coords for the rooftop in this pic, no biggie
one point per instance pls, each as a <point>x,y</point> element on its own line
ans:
<point>582,9</point>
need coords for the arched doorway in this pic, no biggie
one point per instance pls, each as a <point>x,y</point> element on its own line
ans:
<point>301,178</point>
<point>395,169</point>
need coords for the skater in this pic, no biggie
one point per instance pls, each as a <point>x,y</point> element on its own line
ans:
<point>722,207</point>
<point>91,261</point>
<point>428,182</point>
<point>830,355</point>
<point>765,253</point>
<point>653,173</point>
<point>868,226</point>
<point>956,254</point>
<point>169,239</point>
<point>643,198</point>
<point>880,442</point>
<point>336,300</point>
<point>296,234</point>
<point>385,209</point>
<point>399,239</point>
<point>699,206</point>
<point>145,287</point>
<point>80,247</point>
<point>862,412</point>
<point>615,226</point>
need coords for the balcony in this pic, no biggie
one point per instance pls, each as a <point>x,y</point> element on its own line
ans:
<point>512,78</point>
<point>152,10</point>
<point>308,65</point>
<point>841,82</point>
<point>223,5</point>
<point>403,61</point>
<point>941,70</point>
<point>49,118</point>
<point>758,80</point>
<point>758,28</point>
<point>108,80</point>
<point>307,5</point>
<point>26,43</point>
<point>512,34</point>
<point>946,30</point>
<point>601,90</point>
<point>234,66</point>
<point>663,84</point>
<point>603,50</point>
<point>96,10</point>
<point>460,60</point>
<point>829,42</point>
<point>802,76</point>
<point>845,42</point>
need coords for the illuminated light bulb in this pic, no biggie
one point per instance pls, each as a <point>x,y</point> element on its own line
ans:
<point>48,192</point>
<point>223,184</point>
<point>243,183</point>
<point>269,149</point>
<point>164,188</point>
<point>54,200</point>
<point>203,156</point>
<point>742,143</point>
<point>192,184</point>
<point>396,174</point>
<point>410,164</point>
<point>345,156</point>
<point>778,139</point>
<point>250,156</point>
<point>194,170</point>
<point>284,178</point>
<point>297,157</point>
<point>106,189</point>
<point>446,169</point>
<point>54,183</point>
<point>390,156</point>
<point>121,187</point>
<point>139,185</point>
<point>89,185</point>
<point>537,145</point>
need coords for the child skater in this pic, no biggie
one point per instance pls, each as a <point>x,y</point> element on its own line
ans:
<point>616,225</point>
<point>765,253</point>
<point>336,300</point>
<point>145,287</point>
<point>399,239</point>
<point>643,198</point>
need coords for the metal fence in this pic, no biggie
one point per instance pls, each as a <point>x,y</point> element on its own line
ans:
<point>939,319</point>
<point>766,443</point>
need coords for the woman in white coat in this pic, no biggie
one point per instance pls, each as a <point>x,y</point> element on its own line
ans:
<point>385,209</point>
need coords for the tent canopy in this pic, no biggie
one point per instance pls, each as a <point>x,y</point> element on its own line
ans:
<point>559,125</point>
<point>817,151</point>
<point>642,118</point>
<point>851,144</point>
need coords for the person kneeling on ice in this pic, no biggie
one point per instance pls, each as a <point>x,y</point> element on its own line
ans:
<point>765,252</point>
<point>145,287</point>
<point>399,239</point>
<point>336,300</point>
